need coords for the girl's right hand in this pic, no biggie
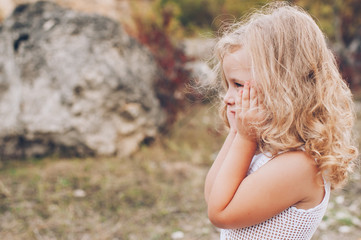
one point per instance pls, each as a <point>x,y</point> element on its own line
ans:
<point>248,112</point>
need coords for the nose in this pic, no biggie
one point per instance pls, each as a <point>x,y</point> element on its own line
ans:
<point>228,98</point>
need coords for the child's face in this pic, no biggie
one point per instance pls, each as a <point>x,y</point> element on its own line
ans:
<point>237,71</point>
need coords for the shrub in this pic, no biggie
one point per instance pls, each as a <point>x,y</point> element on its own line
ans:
<point>154,30</point>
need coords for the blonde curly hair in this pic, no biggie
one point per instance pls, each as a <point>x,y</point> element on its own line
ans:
<point>307,103</point>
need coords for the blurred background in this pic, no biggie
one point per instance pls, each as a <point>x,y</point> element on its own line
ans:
<point>102,135</point>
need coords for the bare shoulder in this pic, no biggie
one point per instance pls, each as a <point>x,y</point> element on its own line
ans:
<point>302,171</point>
<point>289,179</point>
<point>296,159</point>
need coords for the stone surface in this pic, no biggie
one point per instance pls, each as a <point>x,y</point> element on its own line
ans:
<point>73,84</point>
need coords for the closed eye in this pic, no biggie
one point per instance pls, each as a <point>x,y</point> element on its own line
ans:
<point>238,85</point>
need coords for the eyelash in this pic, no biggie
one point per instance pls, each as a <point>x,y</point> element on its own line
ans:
<point>238,84</point>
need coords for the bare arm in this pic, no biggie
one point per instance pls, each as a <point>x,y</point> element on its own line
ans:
<point>287,180</point>
<point>235,156</point>
<point>231,174</point>
<point>217,164</point>
<point>237,200</point>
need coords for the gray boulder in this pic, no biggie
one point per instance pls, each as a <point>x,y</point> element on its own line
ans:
<point>73,84</point>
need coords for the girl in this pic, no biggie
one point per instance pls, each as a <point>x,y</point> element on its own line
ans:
<point>290,117</point>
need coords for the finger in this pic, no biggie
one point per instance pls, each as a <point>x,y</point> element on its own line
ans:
<point>253,98</point>
<point>239,101</point>
<point>245,97</point>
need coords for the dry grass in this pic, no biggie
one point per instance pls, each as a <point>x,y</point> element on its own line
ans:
<point>150,195</point>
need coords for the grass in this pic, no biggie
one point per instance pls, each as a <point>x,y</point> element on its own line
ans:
<point>151,195</point>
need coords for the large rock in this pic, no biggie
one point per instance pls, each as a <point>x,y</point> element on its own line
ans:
<point>73,83</point>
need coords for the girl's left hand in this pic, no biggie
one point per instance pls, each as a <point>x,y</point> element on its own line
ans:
<point>248,111</point>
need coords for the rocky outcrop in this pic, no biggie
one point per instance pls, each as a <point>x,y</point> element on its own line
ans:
<point>74,84</point>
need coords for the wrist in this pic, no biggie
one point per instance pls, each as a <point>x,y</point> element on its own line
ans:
<point>246,141</point>
<point>247,134</point>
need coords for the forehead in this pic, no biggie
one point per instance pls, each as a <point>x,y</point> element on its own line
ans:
<point>238,59</point>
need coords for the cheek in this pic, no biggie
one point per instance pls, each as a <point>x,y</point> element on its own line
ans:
<point>235,91</point>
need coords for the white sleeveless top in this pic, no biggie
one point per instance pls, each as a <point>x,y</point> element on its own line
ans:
<point>292,223</point>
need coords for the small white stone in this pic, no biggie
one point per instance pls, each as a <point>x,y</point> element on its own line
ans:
<point>79,193</point>
<point>340,199</point>
<point>344,229</point>
<point>342,215</point>
<point>177,235</point>
<point>356,221</point>
<point>48,24</point>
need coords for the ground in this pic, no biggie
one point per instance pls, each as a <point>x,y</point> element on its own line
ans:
<point>157,193</point>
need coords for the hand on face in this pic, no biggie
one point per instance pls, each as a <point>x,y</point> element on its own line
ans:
<point>248,111</point>
<point>241,98</point>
